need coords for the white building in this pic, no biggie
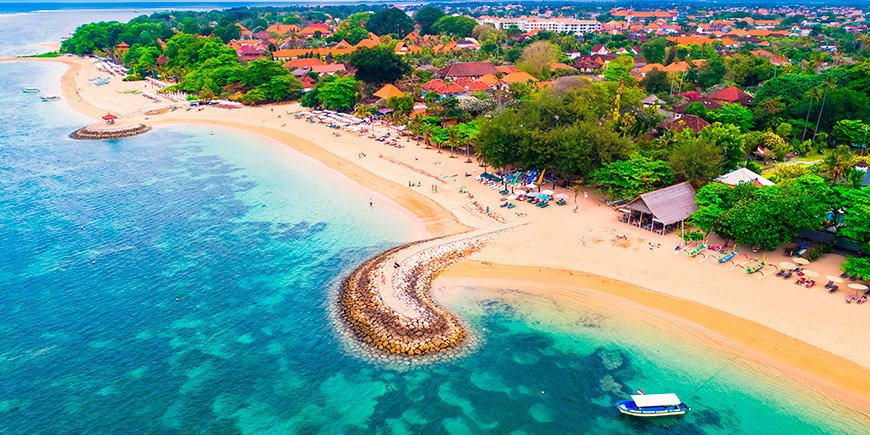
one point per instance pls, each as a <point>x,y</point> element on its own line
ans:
<point>555,24</point>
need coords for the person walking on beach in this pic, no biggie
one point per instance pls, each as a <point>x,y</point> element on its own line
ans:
<point>371,204</point>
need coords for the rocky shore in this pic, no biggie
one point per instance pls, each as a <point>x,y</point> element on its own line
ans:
<point>386,302</point>
<point>102,131</point>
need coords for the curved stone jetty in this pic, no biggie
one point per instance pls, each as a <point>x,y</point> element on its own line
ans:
<point>101,131</point>
<point>386,302</point>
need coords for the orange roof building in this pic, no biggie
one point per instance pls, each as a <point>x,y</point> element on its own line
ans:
<point>488,79</point>
<point>303,63</point>
<point>283,29</point>
<point>389,91</point>
<point>518,77</point>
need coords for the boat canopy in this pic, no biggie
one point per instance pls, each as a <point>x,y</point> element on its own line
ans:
<point>647,400</point>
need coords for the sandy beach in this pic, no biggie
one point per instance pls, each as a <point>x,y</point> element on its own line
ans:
<point>565,254</point>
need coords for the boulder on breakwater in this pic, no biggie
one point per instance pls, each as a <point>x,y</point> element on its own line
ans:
<point>386,303</point>
<point>101,131</point>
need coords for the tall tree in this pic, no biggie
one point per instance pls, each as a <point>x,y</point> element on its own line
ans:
<point>426,17</point>
<point>538,57</point>
<point>391,21</point>
<point>654,50</point>
<point>696,160</point>
<point>378,64</point>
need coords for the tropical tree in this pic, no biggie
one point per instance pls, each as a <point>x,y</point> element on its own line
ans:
<point>390,21</point>
<point>633,176</point>
<point>454,25</point>
<point>378,64</point>
<point>537,58</point>
<point>426,17</point>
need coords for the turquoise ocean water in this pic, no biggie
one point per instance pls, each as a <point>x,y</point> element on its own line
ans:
<point>98,239</point>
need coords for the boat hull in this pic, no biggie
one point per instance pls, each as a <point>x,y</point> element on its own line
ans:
<point>648,414</point>
<point>628,407</point>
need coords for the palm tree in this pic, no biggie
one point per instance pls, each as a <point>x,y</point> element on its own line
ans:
<point>829,84</point>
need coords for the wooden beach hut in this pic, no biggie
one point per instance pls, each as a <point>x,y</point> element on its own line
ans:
<point>661,210</point>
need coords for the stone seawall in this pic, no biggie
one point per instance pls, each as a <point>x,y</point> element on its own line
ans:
<point>386,302</point>
<point>109,131</point>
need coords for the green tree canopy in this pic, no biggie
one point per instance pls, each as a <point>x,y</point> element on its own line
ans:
<point>378,64</point>
<point>454,25</point>
<point>654,49</point>
<point>763,216</point>
<point>633,176</point>
<point>426,17</point>
<point>334,93</point>
<point>733,114</point>
<point>391,21</point>
<point>696,160</point>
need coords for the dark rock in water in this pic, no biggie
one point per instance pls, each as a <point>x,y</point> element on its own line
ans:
<point>101,131</point>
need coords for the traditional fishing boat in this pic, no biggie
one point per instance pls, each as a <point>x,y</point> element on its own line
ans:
<point>30,90</point>
<point>727,257</point>
<point>697,250</point>
<point>50,98</point>
<point>652,405</point>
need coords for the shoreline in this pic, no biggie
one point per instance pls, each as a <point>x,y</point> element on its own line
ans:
<point>836,377</point>
<point>803,360</point>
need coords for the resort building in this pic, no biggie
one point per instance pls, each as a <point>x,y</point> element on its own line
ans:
<point>554,24</point>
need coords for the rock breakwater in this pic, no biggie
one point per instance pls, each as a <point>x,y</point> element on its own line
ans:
<point>109,131</point>
<point>387,305</point>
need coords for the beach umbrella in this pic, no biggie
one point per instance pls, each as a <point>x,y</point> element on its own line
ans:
<point>547,192</point>
<point>511,197</point>
<point>544,197</point>
<point>520,192</point>
<point>810,273</point>
<point>562,196</point>
<point>857,286</point>
<point>532,186</point>
<point>801,261</point>
<point>834,279</point>
<point>785,265</point>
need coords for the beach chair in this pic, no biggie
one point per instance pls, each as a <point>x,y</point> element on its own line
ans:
<point>510,206</point>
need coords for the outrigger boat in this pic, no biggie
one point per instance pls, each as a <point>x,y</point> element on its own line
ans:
<point>727,257</point>
<point>652,405</point>
<point>696,251</point>
<point>756,267</point>
<point>50,98</point>
<point>30,90</point>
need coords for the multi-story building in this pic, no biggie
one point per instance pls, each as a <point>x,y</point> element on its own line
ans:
<point>554,24</point>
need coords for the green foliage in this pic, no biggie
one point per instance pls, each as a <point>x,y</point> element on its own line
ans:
<point>763,216</point>
<point>426,17</point>
<point>556,131</point>
<point>401,106</point>
<point>619,69</point>
<point>391,21</point>
<point>710,74</point>
<point>857,266</point>
<point>49,54</point>
<point>727,138</point>
<point>697,109</point>
<point>696,160</point>
<point>747,70</point>
<point>654,49</point>
<point>335,93</point>
<point>773,142</point>
<point>454,25</point>
<point>632,177</point>
<point>851,131</point>
<point>537,58</point>
<point>656,82</point>
<point>733,114</point>
<point>787,172</point>
<point>351,34</point>
<point>378,64</point>
<point>92,38</point>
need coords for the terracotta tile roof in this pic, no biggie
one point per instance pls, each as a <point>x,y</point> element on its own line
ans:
<point>489,79</point>
<point>506,69</point>
<point>467,69</point>
<point>331,68</point>
<point>283,29</point>
<point>686,121</point>
<point>478,85</point>
<point>302,63</point>
<point>518,77</point>
<point>732,94</point>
